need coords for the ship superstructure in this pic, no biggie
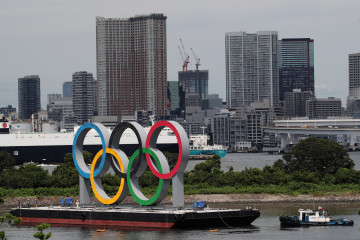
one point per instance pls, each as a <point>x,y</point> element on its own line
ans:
<point>50,147</point>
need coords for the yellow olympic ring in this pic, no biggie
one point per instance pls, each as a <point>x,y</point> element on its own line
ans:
<point>97,195</point>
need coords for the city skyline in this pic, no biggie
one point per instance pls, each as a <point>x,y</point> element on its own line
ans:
<point>43,39</point>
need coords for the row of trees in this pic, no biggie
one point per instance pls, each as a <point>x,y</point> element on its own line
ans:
<point>312,164</point>
<point>34,176</point>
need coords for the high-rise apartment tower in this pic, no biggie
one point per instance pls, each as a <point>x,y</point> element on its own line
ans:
<point>251,68</point>
<point>131,65</point>
<point>83,96</point>
<point>29,96</point>
<point>353,100</point>
<point>354,75</point>
<point>296,65</point>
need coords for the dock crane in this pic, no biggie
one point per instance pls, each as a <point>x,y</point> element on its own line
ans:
<point>185,57</point>
<point>197,59</point>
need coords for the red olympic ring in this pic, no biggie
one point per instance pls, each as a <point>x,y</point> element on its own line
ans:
<point>156,129</point>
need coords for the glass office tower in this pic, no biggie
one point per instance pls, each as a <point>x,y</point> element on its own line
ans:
<point>296,65</point>
<point>29,96</point>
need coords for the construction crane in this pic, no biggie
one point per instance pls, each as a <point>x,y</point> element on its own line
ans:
<point>186,58</point>
<point>197,59</point>
<point>182,58</point>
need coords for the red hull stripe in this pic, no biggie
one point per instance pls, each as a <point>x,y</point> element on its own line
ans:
<point>98,222</point>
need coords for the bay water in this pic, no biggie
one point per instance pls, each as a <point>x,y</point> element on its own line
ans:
<point>267,226</point>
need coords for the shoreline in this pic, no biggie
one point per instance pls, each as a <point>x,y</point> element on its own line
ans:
<point>209,198</point>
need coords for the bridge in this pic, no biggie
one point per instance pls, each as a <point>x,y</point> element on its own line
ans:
<point>346,131</point>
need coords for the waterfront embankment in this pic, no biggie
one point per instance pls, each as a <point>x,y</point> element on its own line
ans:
<point>209,198</point>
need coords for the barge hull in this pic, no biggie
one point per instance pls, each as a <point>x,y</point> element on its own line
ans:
<point>161,219</point>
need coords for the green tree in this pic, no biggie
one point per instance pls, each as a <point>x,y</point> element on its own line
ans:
<point>2,235</point>
<point>205,172</point>
<point>316,155</point>
<point>111,180</point>
<point>210,165</point>
<point>65,175</point>
<point>88,157</point>
<point>41,235</point>
<point>346,175</point>
<point>10,219</point>
<point>6,161</point>
<point>172,158</point>
<point>68,158</point>
<point>27,176</point>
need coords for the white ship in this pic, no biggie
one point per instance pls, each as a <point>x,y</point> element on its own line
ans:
<point>199,146</point>
<point>51,147</point>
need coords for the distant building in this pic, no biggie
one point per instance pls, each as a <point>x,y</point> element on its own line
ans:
<point>192,100</point>
<point>267,116</point>
<point>51,96</point>
<point>296,65</point>
<point>67,89</point>
<point>251,68</point>
<point>254,125</point>
<point>211,101</point>
<point>327,107</point>
<point>193,128</point>
<point>29,96</point>
<point>131,65</point>
<point>353,107</point>
<point>229,129</point>
<point>83,96</point>
<point>7,111</point>
<point>220,126</point>
<point>107,121</point>
<point>354,75</point>
<point>295,102</point>
<point>353,100</point>
<point>95,96</point>
<point>60,109</point>
<point>143,118</point>
<point>237,129</point>
<point>269,113</point>
<point>173,96</point>
<point>243,126</point>
<point>193,81</point>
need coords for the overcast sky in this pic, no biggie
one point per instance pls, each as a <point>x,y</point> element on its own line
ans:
<point>55,38</point>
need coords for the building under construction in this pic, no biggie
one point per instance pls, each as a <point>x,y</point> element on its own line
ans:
<point>193,84</point>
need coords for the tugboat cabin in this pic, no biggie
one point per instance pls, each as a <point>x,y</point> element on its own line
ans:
<point>309,216</point>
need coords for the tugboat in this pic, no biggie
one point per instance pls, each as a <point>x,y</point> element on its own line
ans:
<point>313,218</point>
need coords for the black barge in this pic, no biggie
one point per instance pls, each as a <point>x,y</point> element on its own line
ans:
<point>137,217</point>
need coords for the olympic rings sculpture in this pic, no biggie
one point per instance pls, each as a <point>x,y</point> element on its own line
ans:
<point>129,170</point>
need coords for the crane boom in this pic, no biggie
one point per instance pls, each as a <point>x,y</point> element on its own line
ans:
<point>187,58</point>
<point>197,59</point>
<point>182,58</point>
